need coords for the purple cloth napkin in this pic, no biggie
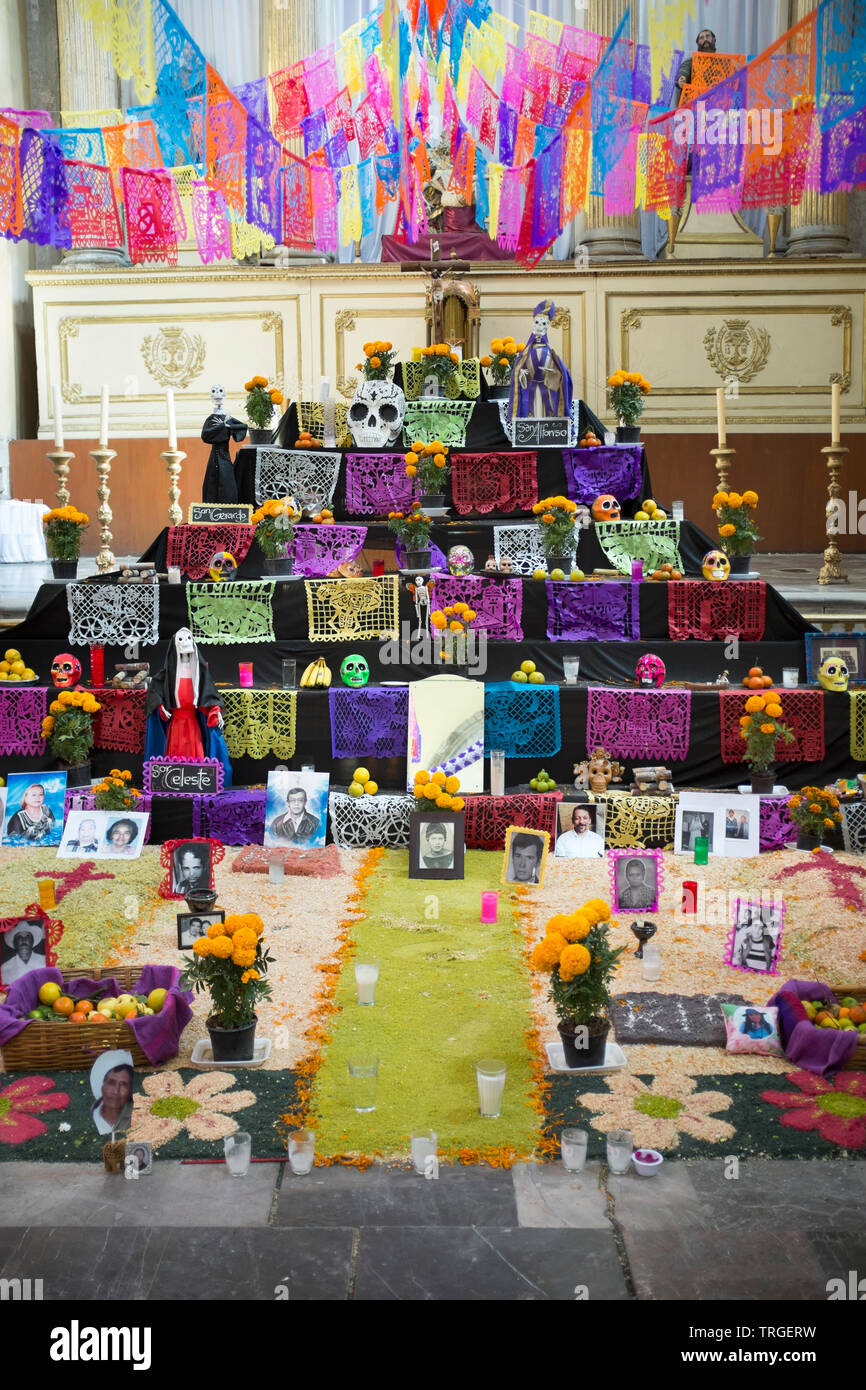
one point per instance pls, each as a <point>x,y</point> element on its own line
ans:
<point>157,1036</point>
<point>815,1049</point>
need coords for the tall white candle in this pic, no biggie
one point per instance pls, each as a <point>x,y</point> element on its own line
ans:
<point>836,433</point>
<point>103,418</point>
<point>172,423</point>
<point>720,412</point>
<point>324,388</point>
<point>58,419</point>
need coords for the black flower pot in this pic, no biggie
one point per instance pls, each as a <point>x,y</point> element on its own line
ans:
<point>77,776</point>
<point>232,1044</point>
<point>763,783</point>
<point>277,565</point>
<point>433,499</point>
<point>807,841</point>
<point>740,563</point>
<point>64,569</point>
<point>259,437</point>
<point>560,562</point>
<point>627,434</point>
<point>590,1056</point>
<point>499,393</point>
<point>417,560</point>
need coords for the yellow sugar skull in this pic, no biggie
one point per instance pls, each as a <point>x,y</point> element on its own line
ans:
<point>833,673</point>
<point>715,565</point>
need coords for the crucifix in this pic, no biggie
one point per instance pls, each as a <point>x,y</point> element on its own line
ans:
<point>436,269</point>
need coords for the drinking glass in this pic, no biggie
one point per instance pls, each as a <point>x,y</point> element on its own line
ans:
<point>47,899</point>
<point>290,673</point>
<point>571,669</point>
<point>276,870</point>
<point>366,975</point>
<point>490,1074</point>
<point>619,1150</point>
<point>572,1146</point>
<point>238,1148</point>
<point>378,568</point>
<point>423,1148</point>
<point>302,1151</point>
<point>790,677</point>
<point>609,438</point>
<point>363,1082</point>
<point>651,963</point>
<point>497,772</point>
<point>678,511</point>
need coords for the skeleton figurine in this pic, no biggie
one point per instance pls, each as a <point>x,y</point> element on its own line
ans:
<point>597,772</point>
<point>184,710</point>
<point>220,484</point>
<point>420,591</point>
<point>376,414</point>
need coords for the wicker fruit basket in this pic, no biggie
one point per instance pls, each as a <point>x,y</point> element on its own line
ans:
<point>74,1046</point>
<point>858,1061</point>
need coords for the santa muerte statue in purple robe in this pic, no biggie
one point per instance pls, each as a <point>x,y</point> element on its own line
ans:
<point>540,381</point>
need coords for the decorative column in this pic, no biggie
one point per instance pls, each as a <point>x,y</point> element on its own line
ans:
<point>609,238</point>
<point>88,82</point>
<point>819,224</point>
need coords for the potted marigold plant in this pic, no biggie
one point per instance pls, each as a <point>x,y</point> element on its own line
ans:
<point>453,622</point>
<point>429,462</point>
<point>555,516</point>
<point>68,729</point>
<point>413,529</point>
<point>499,362</point>
<point>275,530</point>
<point>814,812</point>
<point>64,529</point>
<point>440,361</point>
<point>379,359</point>
<point>231,964</point>
<point>261,400</point>
<point>737,529</point>
<point>626,391</point>
<point>115,792</point>
<point>761,728</point>
<point>577,954</point>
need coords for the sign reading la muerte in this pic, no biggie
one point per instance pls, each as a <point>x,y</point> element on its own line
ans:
<point>182,777</point>
<point>220,513</point>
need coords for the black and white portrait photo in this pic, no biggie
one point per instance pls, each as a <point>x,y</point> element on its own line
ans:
<point>192,925</point>
<point>436,845</point>
<point>139,1158</point>
<point>22,949</point>
<point>296,814</point>
<point>581,830</point>
<point>636,880</point>
<point>756,941</point>
<point>525,856</point>
<point>190,868</point>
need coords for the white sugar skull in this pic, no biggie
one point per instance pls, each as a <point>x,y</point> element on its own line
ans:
<point>376,414</point>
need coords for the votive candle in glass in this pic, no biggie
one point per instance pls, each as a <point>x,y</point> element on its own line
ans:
<point>489,906</point>
<point>651,962</point>
<point>497,772</point>
<point>637,569</point>
<point>572,1146</point>
<point>702,849</point>
<point>678,511</point>
<point>423,1149</point>
<point>790,677</point>
<point>245,674</point>
<point>302,1151</point>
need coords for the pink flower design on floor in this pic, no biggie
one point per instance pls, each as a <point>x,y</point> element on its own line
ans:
<point>20,1104</point>
<point>203,1107</point>
<point>836,1109</point>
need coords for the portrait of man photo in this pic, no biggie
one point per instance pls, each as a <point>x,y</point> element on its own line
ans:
<point>296,823</point>
<point>190,869</point>
<point>637,884</point>
<point>582,840</point>
<point>757,937</point>
<point>525,858</point>
<point>22,949</point>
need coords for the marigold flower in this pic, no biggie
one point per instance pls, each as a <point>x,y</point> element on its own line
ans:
<point>575,960</point>
<point>245,939</point>
<point>221,947</point>
<point>774,711</point>
<point>431,791</point>
<point>745,721</point>
<point>243,958</point>
<point>439,460</point>
<point>577,926</point>
<point>486,361</point>
<point>443,801</point>
<point>727,530</point>
<point>754,704</point>
<point>375,362</point>
<point>815,808</point>
<point>452,784</point>
<point>249,975</point>
<point>735,501</point>
<point>422,776</point>
<point>720,500</point>
<point>548,518</point>
<point>203,947</point>
<point>828,822</point>
<point>439,778</point>
<point>496,344</point>
<point>750,498</point>
<point>768,728</point>
<point>457,804</point>
<point>215,929</point>
<point>411,470</point>
<point>503,361</point>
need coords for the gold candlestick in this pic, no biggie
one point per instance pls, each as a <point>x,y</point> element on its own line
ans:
<point>173,459</point>
<point>831,572</point>
<point>723,463</point>
<point>61,459</point>
<point>774,222</point>
<point>102,458</point>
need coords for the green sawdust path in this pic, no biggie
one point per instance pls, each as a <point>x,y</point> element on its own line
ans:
<point>450,991</point>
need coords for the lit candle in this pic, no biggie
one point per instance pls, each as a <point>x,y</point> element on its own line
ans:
<point>836,432</point>
<point>103,418</point>
<point>416,354</point>
<point>720,412</point>
<point>489,906</point>
<point>58,419</point>
<point>172,423</point>
<point>324,388</point>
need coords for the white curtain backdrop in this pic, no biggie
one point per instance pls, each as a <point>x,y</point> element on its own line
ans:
<point>228,32</point>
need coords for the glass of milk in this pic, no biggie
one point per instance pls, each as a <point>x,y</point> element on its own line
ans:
<point>238,1149</point>
<point>490,1074</point>
<point>366,975</point>
<point>302,1151</point>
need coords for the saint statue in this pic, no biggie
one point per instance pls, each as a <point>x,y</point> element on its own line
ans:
<point>540,381</point>
<point>184,711</point>
<point>220,484</point>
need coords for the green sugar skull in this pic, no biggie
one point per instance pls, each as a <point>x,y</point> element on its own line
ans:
<point>354,670</point>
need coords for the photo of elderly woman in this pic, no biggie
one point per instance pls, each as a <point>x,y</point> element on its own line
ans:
<point>34,809</point>
<point>122,839</point>
<point>111,1084</point>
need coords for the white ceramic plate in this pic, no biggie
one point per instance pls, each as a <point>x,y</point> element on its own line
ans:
<point>614,1060</point>
<point>202,1056</point>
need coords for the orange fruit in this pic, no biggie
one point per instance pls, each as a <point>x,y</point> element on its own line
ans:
<point>64,1005</point>
<point>84,1006</point>
<point>756,671</point>
<point>128,1011</point>
<point>77,1017</point>
<point>766,682</point>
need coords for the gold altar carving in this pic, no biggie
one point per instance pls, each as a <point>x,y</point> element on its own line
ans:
<point>737,349</point>
<point>174,357</point>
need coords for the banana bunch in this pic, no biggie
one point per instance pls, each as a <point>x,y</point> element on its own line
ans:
<point>316,676</point>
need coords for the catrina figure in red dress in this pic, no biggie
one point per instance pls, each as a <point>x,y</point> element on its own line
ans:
<point>185,713</point>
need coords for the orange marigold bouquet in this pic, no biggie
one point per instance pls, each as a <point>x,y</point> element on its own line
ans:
<point>275,525</point>
<point>115,792</point>
<point>64,528</point>
<point>736,528</point>
<point>261,399</point>
<point>440,361</point>
<point>576,952</point>
<point>814,811</point>
<point>413,527</point>
<point>626,391</point>
<point>68,726</point>
<point>379,358</point>
<point>761,728</point>
<point>231,964</point>
<point>437,789</point>
<point>555,516</point>
<point>429,462</point>
<point>500,359</point>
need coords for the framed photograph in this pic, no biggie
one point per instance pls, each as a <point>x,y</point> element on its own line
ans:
<point>192,925</point>
<point>851,646</point>
<point>738,833</point>
<point>635,879</point>
<point>580,830</point>
<point>139,1158</point>
<point>111,1078</point>
<point>525,857</point>
<point>755,939</point>
<point>189,866</point>
<point>26,943</point>
<point>83,835</point>
<point>699,814</point>
<point>296,812</point>
<point>33,814</point>
<point>436,844</point>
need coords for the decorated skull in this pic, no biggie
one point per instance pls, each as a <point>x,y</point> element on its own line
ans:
<point>223,566</point>
<point>460,560</point>
<point>354,670</point>
<point>506,565</point>
<point>715,565</point>
<point>66,671</point>
<point>650,670</point>
<point>376,414</point>
<point>606,508</point>
<point>833,673</point>
<point>490,564</point>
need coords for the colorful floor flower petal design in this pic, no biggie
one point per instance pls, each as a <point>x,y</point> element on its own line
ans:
<point>203,1107</point>
<point>659,1112</point>
<point>835,1109</point>
<point>22,1102</point>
